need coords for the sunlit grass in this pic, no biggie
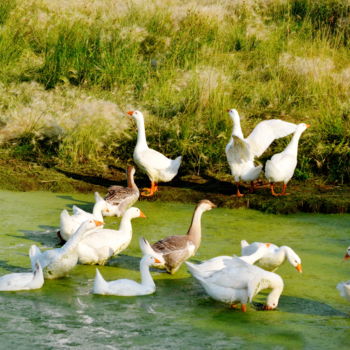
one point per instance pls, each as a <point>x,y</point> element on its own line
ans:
<point>183,65</point>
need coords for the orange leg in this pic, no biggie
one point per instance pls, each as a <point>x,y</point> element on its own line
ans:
<point>252,187</point>
<point>272,186</point>
<point>238,194</point>
<point>283,193</point>
<point>244,307</point>
<point>148,192</point>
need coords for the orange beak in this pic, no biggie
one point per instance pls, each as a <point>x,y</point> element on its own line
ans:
<point>156,260</point>
<point>299,268</point>
<point>142,215</point>
<point>346,256</point>
<point>98,223</point>
<point>267,244</point>
<point>308,125</point>
<point>130,112</point>
<point>107,210</point>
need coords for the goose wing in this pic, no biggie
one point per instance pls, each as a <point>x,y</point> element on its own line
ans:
<point>238,150</point>
<point>266,132</point>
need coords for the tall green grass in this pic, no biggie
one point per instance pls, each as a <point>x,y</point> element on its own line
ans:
<point>183,66</point>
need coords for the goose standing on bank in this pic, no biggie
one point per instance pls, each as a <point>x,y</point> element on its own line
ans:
<point>58,262</point>
<point>240,151</point>
<point>280,168</point>
<point>157,166</point>
<point>177,249</point>
<point>273,257</point>
<point>121,198</point>
<point>239,282</point>
<point>24,280</point>
<point>101,245</point>
<point>126,287</point>
<point>70,223</point>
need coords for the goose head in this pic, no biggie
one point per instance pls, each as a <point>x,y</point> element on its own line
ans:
<point>293,258</point>
<point>276,284</point>
<point>137,115</point>
<point>234,115</point>
<point>347,254</point>
<point>133,213</point>
<point>301,127</point>
<point>205,205</point>
<point>90,224</point>
<point>150,260</point>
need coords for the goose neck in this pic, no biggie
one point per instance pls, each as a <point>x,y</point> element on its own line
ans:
<point>236,129</point>
<point>141,133</point>
<point>74,240</point>
<point>125,224</point>
<point>195,231</point>
<point>252,258</point>
<point>97,210</point>
<point>292,148</point>
<point>146,277</point>
<point>131,182</point>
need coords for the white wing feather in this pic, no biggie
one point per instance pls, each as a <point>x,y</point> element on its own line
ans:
<point>238,151</point>
<point>266,132</point>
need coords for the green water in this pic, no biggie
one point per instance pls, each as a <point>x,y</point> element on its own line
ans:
<point>64,314</point>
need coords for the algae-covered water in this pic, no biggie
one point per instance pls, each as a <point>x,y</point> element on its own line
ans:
<point>64,314</point>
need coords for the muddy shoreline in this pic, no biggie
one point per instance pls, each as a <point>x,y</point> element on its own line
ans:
<point>312,196</point>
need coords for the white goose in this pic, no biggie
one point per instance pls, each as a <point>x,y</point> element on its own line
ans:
<point>239,282</point>
<point>208,267</point>
<point>126,287</point>
<point>280,168</point>
<point>24,280</point>
<point>70,223</point>
<point>240,151</point>
<point>102,244</point>
<point>344,289</point>
<point>121,198</point>
<point>273,257</point>
<point>58,262</point>
<point>178,248</point>
<point>157,166</point>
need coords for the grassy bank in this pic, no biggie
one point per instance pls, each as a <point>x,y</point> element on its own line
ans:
<point>69,70</point>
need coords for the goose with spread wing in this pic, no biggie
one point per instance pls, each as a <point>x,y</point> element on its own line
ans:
<point>240,151</point>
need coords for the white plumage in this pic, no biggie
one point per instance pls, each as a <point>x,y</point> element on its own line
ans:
<point>156,165</point>
<point>240,151</point>
<point>281,167</point>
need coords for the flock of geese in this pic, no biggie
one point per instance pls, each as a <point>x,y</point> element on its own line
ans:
<point>229,279</point>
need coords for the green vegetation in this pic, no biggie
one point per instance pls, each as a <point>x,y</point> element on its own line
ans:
<point>68,73</point>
